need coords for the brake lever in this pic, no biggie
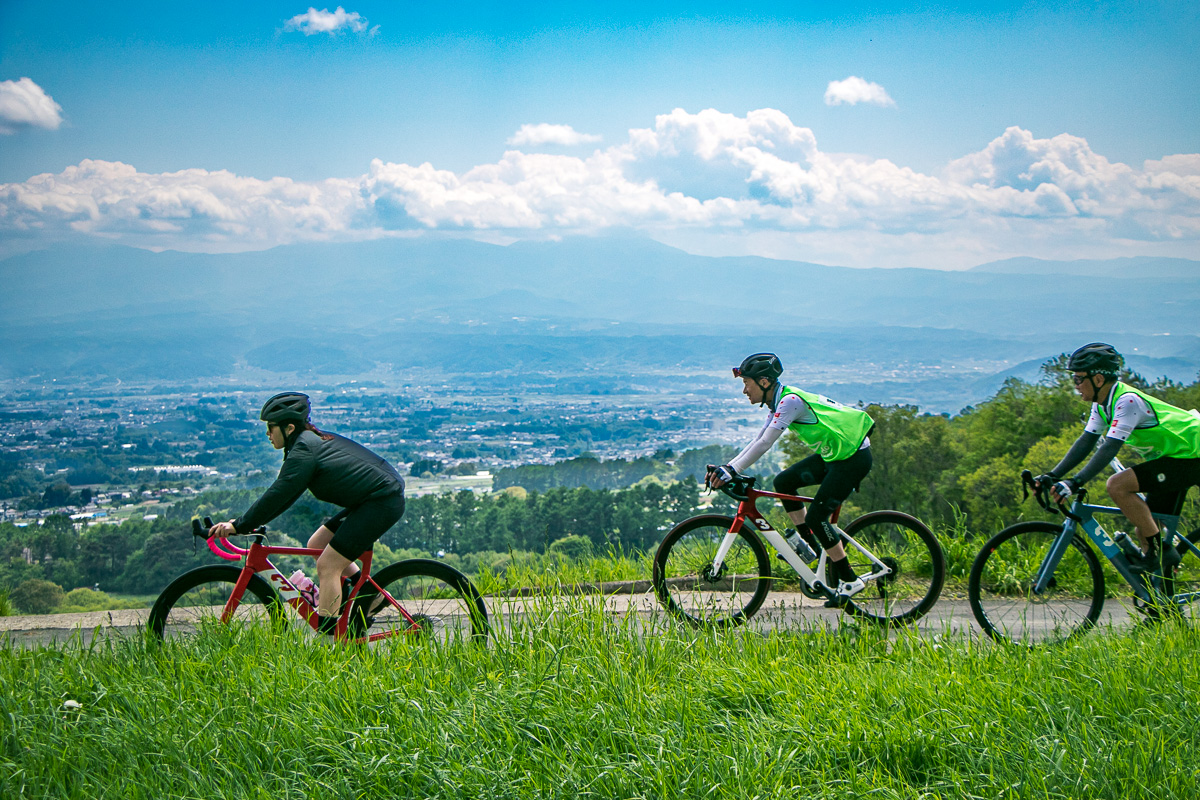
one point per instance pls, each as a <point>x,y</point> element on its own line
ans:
<point>1027,483</point>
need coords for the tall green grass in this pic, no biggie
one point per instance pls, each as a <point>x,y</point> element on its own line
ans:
<point>570,701</point>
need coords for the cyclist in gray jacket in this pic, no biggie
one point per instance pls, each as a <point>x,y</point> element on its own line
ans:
<point>336,470</point>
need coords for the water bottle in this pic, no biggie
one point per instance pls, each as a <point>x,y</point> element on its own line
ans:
<point>1123,541</point>
<point>304,584</point>
<point>802,548</point>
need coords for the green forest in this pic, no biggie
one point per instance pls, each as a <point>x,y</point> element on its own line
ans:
<point>959,473</point>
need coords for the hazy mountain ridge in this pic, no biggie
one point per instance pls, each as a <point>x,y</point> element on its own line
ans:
<point>623,279</point>
<point>619,306</point>
<point>1129,267</point>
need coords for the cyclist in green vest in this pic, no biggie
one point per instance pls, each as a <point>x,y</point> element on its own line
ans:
<point>1167,436</point>
<point>839,436</point>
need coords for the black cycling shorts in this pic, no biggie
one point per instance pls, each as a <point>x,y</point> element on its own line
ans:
<point>1165,482</point>
<point>838,479</point>
<point>356,529</point>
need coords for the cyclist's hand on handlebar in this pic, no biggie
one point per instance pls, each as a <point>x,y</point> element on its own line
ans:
<point>1063,489</point>
<point>222,529</point>
<point>719,476</point>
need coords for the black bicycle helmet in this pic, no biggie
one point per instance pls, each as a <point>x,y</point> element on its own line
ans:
<point>759,365</point>
<point>285,407</point>
<point>1096,358</point>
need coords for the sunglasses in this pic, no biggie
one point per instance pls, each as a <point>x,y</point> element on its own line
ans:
<point>1078,379</point>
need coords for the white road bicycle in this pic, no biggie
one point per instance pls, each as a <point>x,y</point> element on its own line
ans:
<point>714,570</point>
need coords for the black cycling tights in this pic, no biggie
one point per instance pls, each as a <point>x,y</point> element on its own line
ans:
<point>837,480</point>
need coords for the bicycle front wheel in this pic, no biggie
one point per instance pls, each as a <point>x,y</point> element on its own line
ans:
<point>196,601</point>
<point>429,600</point>
<point>689,587</point>
<point>914,556</point>
<point>1000,586</point>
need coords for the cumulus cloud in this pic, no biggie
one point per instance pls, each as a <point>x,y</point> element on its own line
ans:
<point>855,90</point>
<point>325,21</point>
<point>192,209</point>
<point>24,104</point>
<point>544,133</point>
<point>727,183</point>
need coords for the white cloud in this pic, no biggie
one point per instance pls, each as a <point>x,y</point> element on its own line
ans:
<point>544,133</point>
<point>24,104</point>
<point>192,209</point>
<point>855,90</point>
<point>725,183</point>
<point>324,21</point>
<point>1188,164</point>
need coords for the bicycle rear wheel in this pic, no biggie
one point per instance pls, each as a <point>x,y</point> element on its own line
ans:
<point>913,553</point>
<point>1182,578</point>
<point>688,587</point>
<point>1000,587</point>
<point>442,603</point>
<point>195,601</point>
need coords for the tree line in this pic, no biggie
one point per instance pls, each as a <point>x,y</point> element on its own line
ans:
<point>945,469</point>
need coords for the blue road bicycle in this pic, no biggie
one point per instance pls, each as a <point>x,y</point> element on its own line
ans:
<point>1038,582</point>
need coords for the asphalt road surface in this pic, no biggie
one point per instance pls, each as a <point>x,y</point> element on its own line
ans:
<point>781,611</point>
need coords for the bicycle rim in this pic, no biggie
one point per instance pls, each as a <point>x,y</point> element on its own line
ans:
<point>1001,582</point>
<point>194,603</point>
<point>432,602</point>
<point>1183,580</point>
<point>686,584</point>
<point>914,557</point>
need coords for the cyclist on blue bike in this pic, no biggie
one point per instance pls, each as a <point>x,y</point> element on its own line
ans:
<point>838,434</point>
<point>1167,436</point>
<point>337,471</point>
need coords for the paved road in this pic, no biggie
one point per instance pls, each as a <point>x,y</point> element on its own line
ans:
<point>782,610</point>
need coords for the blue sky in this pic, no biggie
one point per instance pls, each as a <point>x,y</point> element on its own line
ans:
<point>964,132</point>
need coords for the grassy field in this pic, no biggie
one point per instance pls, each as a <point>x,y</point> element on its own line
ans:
<point>571,702</point>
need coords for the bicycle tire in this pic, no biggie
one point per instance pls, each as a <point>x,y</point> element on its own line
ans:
<point>1002,575</point>
<point>197,598</point>
<point>1184,577</point>
<point>683,579</point>
<point>441,600</point>
<point>919,568</point>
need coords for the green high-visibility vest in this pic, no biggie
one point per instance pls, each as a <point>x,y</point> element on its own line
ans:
<point>1175,433</point>
<point>839,430</point>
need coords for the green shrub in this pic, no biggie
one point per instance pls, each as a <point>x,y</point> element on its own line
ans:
<point>37,596</point>
<point>573,547</point>
<point>80,600</point>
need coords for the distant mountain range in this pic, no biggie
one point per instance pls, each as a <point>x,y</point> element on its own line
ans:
<point>1144,267</point>
<point>613,306</point>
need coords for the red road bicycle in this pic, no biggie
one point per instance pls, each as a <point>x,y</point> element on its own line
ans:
<point>415,597</point>
<point>715,570</point>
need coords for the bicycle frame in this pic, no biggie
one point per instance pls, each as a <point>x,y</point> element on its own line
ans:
<point>747,512</point>
<point>1082,515</point>
<point>258,563</point>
